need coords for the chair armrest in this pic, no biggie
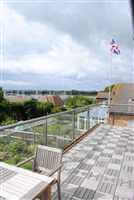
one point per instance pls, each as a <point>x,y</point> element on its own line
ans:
<point>55,170</point>
<point>25,161</point>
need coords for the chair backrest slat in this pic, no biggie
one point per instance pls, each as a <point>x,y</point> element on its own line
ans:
<point>47,157</point>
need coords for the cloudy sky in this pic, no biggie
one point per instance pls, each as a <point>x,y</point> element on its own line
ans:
<point>64,44</point>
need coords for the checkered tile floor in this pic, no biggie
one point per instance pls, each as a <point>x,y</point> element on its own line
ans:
<point>101,167</point>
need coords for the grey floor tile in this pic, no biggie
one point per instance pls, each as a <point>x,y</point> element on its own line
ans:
<point>101,196</point>
<point>73,179</point>
<point>84,193</point>
<point>99,163</point>
<point>69,188</point>
<point>64,196</point>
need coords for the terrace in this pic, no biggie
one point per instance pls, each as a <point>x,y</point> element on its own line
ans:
<point>98,158</point>
<point>100,167</point>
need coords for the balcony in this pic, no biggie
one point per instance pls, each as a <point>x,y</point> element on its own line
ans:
<point>98,158</point>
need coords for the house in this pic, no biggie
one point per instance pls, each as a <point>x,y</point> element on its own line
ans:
<point>13,98</point>
<point>55,100</point>
<point>102,97</point>
<point>121,111</point>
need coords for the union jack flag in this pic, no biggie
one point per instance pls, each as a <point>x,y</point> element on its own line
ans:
<point>114,47</point>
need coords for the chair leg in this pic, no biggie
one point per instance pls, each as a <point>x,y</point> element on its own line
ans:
<point>58,190</point>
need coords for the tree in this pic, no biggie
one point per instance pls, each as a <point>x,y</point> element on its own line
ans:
<point>107,88</point>
<point>30,108</point>
<point>1,95</point>
<point>44,108</point>
<point>34,108</point>
<point>71,102</point>
<point>78,101</point>
<point>8,121</point>
<point>4,110</point>
<point>56,109</point>
<point>17,111</point>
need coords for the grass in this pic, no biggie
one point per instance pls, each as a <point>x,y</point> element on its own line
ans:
<point>27,166</point>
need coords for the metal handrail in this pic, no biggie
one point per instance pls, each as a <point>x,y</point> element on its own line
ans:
<point>47,117</point>
<point>59,132</point>
<point>80,109</point>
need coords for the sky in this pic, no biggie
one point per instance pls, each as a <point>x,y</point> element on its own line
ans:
<point>65,44</point>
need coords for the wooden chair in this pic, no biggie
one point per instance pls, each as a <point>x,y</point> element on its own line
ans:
<point>47,161</point>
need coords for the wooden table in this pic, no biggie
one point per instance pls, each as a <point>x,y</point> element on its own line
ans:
<point>20,184</point>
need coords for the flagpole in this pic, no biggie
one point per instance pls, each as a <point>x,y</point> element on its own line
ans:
<point>110,80</point>
<point>131,68</point>
<point>110,83</point>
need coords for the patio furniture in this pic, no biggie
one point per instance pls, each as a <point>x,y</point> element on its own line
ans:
<point>20,184</point>
<point>47,161</point>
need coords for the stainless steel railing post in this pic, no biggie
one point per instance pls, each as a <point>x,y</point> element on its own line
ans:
<point>73,124</point>
<point>88,118</point>
<point>46,132</point>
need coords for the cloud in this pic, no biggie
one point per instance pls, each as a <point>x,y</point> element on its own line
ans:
<point>65,57</point>
<point>66,41</point>
<point>14,83</point>
<point>82,19</point>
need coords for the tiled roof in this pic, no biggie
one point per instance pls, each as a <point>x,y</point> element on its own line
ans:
<point>55,100</point>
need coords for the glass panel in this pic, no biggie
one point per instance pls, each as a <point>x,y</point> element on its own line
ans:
<point>78,125</point>
<point>15,146</point>
<point>81,122</point>
<point>60,130</point>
